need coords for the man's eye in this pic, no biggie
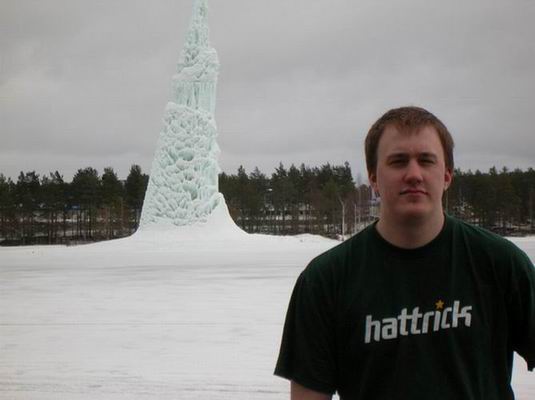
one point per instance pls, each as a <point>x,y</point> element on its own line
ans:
<point>427,161</point>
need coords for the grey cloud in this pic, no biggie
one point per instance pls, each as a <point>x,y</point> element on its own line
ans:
<point>300,81</point>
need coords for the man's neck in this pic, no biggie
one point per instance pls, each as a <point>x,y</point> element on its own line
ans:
<point>410,234</point>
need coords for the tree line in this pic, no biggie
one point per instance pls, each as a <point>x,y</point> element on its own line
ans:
<point>49,210</point>
<point>502,201</point>
<point>321,200</point>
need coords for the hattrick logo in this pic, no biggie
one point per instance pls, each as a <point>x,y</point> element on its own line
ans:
<point>417,323</point>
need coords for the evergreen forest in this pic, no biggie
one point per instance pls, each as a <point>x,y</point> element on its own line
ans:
<point>322,200</point>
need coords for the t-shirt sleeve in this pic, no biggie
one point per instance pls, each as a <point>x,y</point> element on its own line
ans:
<point>307,353</point>
<point>522,308</point>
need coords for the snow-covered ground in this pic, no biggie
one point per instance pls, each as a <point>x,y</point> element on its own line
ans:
<point>155,317</point>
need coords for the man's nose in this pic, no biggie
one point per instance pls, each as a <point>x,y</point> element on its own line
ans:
<point>413,173</point>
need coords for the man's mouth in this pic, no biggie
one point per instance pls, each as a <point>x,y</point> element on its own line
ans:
<point>413,191</point>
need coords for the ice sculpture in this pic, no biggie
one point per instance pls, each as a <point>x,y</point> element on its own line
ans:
<point>183,184</point>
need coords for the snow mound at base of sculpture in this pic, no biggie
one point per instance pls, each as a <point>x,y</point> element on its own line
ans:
<point>217,226</point>
<point>191,243</point>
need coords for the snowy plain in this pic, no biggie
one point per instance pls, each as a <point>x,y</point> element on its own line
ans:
<point>156,316</point>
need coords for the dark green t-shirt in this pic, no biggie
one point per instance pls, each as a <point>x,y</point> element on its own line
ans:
<point>373,321</point>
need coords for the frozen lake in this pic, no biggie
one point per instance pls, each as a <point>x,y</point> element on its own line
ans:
<point>129,320</point>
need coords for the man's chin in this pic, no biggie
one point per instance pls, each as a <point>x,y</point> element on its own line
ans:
<point>415,213</point>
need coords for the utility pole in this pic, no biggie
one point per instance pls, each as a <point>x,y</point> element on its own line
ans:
<point>343,217</point>
<point>360,207</point>
<point>532,223</point>
<point>354,217</point>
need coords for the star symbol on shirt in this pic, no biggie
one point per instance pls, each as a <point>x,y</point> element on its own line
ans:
<point>439,304</point>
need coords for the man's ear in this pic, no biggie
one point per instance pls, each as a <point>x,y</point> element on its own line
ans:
<point>372,178</point>
<point>448,178</point>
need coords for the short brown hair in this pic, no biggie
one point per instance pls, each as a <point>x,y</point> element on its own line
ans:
<point>407,119</point>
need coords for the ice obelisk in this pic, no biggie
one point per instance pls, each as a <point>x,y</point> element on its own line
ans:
<point>183,184</point>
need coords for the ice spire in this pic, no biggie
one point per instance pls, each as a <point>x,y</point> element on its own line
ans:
<point>183,184</point>
<point>198,66</point>
<point>198,32</point>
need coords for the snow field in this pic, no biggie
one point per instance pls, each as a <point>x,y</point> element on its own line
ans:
<point>155,318</point>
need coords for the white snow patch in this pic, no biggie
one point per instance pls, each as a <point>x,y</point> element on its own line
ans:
<point>172,318</point>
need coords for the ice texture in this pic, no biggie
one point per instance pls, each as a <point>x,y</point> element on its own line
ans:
<point>183,184</point>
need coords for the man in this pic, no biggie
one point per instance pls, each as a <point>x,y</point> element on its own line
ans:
<point>418,305</point>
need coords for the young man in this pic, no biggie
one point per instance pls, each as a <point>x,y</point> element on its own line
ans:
<point>418,305</point>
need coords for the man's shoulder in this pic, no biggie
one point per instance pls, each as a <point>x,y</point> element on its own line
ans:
<point>342,255</point>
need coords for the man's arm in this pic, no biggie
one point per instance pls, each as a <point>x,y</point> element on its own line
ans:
<point>298,392</point>
<point>308,349</point>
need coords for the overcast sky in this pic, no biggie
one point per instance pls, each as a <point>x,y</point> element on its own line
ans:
<point>85,83</point>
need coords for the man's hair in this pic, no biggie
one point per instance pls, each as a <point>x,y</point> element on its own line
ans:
<point>407,120</point>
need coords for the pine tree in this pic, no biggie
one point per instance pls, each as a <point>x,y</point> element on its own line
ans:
<point>7,208</point>
<point>135,188</point>
<point>112,200</point>
<point>85,188</point>
<point>27,197</point>
<point>53,190</point>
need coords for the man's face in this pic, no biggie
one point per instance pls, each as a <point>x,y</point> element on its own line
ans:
<point>411,175</point>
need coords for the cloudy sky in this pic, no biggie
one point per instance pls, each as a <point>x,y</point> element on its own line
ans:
<point>84,83</point>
